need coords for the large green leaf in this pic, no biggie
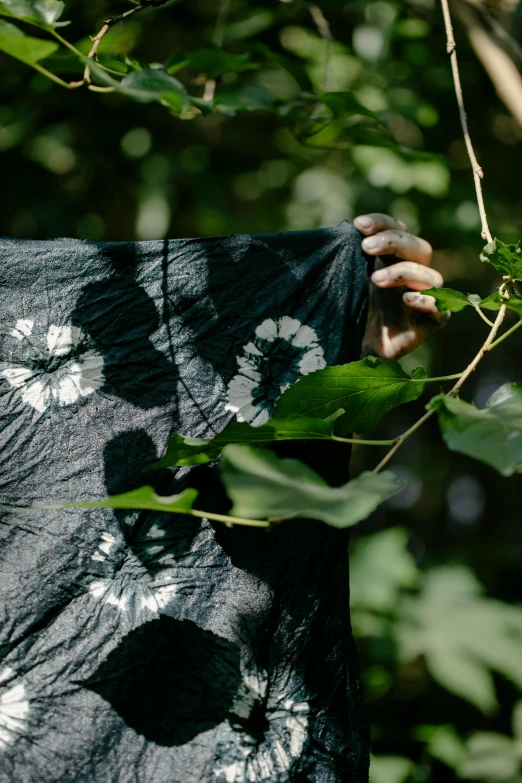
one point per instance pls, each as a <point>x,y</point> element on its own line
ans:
<point>390,769</point>
<point>154,84</point>
<point>43,13</point>
<point>143,498</point>
<point>455,301</point>
<point>464,676</point>
<point>492,435</point>
<point>495,301</point>
<point>263,486</point>
<point>454,626</point>
<point>29,50</point>
<point>182,450</point>
<point>367,390</point>
<point>380,568</point>
<point>507,259</point>
<point>448,299</point>
<point>490,757</point>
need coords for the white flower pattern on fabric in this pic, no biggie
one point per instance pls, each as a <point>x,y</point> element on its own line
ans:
<point>242,757</point>
<point>280,352</point>
<point>142,581</point>
<point>14,708</point>
<point>58,366</point>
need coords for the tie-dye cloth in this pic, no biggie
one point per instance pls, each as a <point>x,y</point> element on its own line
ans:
<point>142,647</point>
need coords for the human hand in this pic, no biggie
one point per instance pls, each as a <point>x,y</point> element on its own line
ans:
<point>398,320</point>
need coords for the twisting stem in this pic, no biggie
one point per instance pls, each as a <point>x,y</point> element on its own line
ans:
<point>217,40</point>
<point>323,27</point>
<point>452,393</point>
<point>490,338</point>
<point>486,234</point>
<point>506,334</point>
<point>478,174</point>
<point>484,318</point>
<point>221,23</point>
<point>113,20</point>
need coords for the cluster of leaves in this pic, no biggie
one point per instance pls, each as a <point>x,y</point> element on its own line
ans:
<point>306,114</point>
<point>442,619</point>
<point>327,405</point>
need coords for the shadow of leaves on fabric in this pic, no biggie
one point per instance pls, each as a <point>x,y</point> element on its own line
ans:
<point>170,680</point>
<point>125,456</point>
<point>120,317</point>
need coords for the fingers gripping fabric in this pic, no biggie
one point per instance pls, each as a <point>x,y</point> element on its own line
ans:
<point>141,647</point>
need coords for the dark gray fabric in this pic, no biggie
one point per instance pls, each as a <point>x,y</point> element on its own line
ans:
<point>152,648</point>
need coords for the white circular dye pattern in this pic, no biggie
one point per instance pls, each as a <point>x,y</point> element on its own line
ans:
<point>280,352</point>
<point>243,756</point>
<point>14,708</point>
<point>141,578</point>
<point>53,366</point>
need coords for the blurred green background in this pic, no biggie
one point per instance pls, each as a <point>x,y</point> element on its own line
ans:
<point>436,578</point>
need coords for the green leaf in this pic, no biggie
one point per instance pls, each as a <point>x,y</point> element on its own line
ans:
<point>516,721</point>
<point>29,50</point>
<point>492,435</point>
<point>443,743</point>
<point>367,390</point>
<point>261,485</point>
<point>450,618</point>
<point>380,568</point>
<point>507,259</point>
<point>292,66</point>
<point>154,84</point>
<point>489,757</point>
<point>390,769</point>
<point>495,301</point>
<point>464,676</point>
<point>182,450</point>
<point>216,62</point>
<point>448,299</point>
<point>244,99</point>
<point>343,104</point>
<point>177,61</point>
<point>455,301</point>
<point>43,13</point>
<point>143,498</point>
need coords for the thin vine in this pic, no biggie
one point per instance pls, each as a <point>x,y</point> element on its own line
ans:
<point>478,176</point>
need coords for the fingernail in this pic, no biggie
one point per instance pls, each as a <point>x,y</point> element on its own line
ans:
<point>411,297</point>
<point>380,276</point>
<point>365,221</point>
<point>371,243</point>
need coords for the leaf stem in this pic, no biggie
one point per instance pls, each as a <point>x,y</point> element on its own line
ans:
<point>361,442</point>
<point>95,88</point>
<point>506,334</point>
<point>107,25</point>
<point>227,520</point>
<point>50,75</point>
<point>438,378</point>
<point>478,174</point>
<point>484,318</point>
<point>486,234</point>
<point>452,393</point>
<point>66,43</point>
